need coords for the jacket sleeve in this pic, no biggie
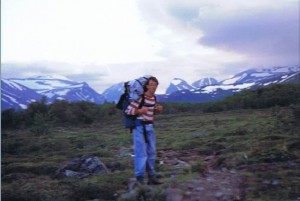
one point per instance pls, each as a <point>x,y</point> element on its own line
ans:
<point>133,107</point>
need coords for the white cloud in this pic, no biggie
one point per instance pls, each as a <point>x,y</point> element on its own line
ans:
<point>75,31</point>
<point>105,42</point>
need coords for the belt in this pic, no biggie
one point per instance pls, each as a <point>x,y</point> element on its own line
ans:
<point>147,122</point>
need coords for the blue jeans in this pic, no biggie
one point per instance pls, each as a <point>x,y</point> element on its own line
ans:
<point>144,153</point>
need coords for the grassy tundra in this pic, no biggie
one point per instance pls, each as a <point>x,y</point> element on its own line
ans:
<point>260,145</point>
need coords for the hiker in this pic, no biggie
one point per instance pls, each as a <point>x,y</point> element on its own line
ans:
<point>143,133</point>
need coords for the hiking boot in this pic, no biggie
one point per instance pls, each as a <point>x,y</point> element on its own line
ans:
<point>140,180</point>
<point>154,180</point>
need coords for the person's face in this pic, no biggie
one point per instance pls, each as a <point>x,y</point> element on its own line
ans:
<point>151,86</point>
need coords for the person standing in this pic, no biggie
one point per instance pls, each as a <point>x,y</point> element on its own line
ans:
<point>144,139</point>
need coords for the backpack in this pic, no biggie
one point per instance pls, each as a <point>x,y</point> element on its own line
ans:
<point>132,91</point>
<point>135,88</point>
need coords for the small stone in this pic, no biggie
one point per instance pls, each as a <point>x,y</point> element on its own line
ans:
<point>233,171</point>
<point>199,135</point>
<point>173,195</point>
<point>224,169</point>
<point>199,189</point>
<point>275,182</point>
<point>219,194</point>
<point>210,179</point>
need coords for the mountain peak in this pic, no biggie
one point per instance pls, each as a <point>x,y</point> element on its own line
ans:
<point>205,82</point>
<point>18,91</point>
<point>256,74</point>
<point>177,81</point>
<point>178,84</point>
<point>47,82</point>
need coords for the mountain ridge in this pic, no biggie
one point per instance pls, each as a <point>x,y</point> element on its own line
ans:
<point>203,90</point>
<point>15,95</point>
<point>54,88</point>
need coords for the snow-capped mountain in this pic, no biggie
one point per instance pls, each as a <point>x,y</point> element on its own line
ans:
<point>58,87</point>
<point>250,79</point>
<point>260,74</point>
<point>45,83</point>
<point>76,92</point>
<point>295,78</point>
<point>113,93</point>
<point>205,82</point>
<point>178,84</point>
<point>17,96</point>
<point>18,93</point>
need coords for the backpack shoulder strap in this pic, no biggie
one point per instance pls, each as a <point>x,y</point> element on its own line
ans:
<point>148,105</point>
<point>126,87</point>
<point>142,103</point>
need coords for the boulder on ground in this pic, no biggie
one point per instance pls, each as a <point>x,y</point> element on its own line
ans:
<point>82,167</point>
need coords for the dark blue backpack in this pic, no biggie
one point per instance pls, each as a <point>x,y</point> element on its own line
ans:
<point>130,121</point>
<point>132,91</point>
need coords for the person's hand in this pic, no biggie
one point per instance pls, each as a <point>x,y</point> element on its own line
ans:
<point>143,110</point>
<point>158,108</point>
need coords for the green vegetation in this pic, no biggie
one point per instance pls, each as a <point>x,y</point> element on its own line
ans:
<point>265,97</point>
<point>262,142</point>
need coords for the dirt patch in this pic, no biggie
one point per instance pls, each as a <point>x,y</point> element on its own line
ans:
<point>211,185</point>
<point>207,183</point>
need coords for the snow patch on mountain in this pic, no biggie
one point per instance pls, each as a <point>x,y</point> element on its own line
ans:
<point>236,88</point>
<point>61,88</point>
<point>259,74</point>
<point>13,84</point>
<point>235,79</point>
<point>178,84</point>
<point>205,82</point>
<point>15,95</point>
<point>40,84</point>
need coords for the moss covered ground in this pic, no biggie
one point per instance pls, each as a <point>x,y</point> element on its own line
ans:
<point>262,145</point>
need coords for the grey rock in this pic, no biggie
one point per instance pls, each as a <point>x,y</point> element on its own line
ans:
<point>82,167</point>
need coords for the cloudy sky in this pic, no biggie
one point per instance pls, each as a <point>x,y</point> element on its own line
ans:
<point>106,42</point>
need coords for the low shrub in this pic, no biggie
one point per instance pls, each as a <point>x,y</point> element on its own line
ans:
<point>270,156</point>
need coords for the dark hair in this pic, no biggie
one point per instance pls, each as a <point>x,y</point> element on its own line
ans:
<point>150,78</point>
